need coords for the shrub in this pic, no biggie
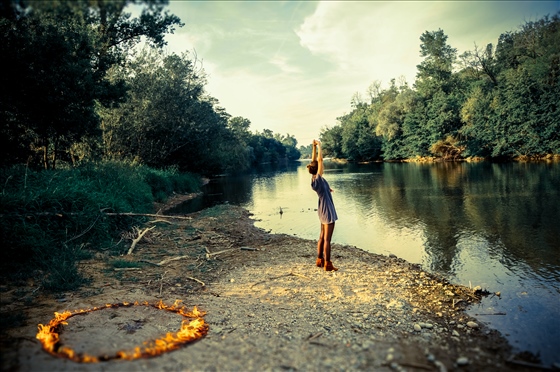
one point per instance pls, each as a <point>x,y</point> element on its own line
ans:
<point>48,217</point>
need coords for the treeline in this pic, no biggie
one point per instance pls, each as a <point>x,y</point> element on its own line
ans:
<point>75,88</point>
<point>499,102</point>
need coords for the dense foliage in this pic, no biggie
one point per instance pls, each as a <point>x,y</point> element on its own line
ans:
<point>51,219</point>
<point>496,102</point>
<point>74,90</point>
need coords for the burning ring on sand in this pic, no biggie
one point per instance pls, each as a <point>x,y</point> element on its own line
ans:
<point>195,329</point>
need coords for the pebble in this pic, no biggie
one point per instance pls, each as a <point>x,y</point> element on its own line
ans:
<point>462,361</point>
<point>455,333</point>
<point>472,325</point>
<point>417,327</point>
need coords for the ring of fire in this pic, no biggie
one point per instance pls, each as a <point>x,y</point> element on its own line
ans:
<point>195,329</point>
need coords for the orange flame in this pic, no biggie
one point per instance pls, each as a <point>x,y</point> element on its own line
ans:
<point>49,337</point>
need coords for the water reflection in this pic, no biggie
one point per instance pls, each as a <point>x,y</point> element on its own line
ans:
<point>494,225</point>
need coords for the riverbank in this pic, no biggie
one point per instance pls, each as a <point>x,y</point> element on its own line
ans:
<point>268,307</point>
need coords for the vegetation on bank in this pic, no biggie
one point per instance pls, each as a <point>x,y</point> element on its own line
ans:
<point>77,88</point>
<point>91,124</point>
<point>52,219</point>
<point>498,102</point>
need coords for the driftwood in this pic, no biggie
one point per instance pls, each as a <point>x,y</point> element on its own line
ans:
<point>140,236</point>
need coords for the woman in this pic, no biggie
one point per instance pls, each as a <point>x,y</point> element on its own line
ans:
<point>326,210</point>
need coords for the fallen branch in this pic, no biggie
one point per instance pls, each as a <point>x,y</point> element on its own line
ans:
<point>164,221</point>
<point>84,232</point>
<point>161,263</point>
<point>130,214</point>
<point>148,215</point>
<point>196,280</point>
<point>208,255</point>
<point>127,268</point>
<point>140,236</point>
<point>316,335</point>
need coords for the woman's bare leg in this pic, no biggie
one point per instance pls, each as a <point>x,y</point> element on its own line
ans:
<point>326,234</point>
<point>321,243</point>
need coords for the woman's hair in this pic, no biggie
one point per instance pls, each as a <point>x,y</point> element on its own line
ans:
<point>313,167</point>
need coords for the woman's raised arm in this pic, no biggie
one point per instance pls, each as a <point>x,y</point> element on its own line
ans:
<point>319,159</point>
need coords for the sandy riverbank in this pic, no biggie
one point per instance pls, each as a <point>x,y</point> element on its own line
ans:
<point>268,307</point>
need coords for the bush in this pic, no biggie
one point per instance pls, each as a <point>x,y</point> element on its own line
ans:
<point>48,218</point>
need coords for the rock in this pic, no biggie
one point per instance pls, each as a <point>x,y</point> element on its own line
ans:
<point>455,333</point>
<point>462,361</point>
<point>417,327</point>
<point>472,325</point>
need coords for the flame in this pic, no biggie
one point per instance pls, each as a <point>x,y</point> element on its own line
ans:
<point>190,331</point>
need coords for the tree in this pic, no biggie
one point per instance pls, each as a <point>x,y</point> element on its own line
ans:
<point>240,128</point>
<point>168,119</point>
<point>439,57</point>
<point>57,54</point>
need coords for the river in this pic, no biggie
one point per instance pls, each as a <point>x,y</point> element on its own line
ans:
<point>477,224</point>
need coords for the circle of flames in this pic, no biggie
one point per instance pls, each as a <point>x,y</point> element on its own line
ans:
<point>190,331</point>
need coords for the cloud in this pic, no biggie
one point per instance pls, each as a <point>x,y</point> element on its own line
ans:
<point>292,67</point>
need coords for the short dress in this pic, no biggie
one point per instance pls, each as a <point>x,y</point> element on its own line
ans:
<point>326,210</point>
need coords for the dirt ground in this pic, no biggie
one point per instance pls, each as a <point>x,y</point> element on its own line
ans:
<point>268,307</point>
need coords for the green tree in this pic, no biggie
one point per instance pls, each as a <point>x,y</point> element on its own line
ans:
<point>167,119</point>
<point>56,55</point>
<point>331,140</point>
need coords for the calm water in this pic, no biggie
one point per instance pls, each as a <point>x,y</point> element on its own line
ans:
<point>492,225</point>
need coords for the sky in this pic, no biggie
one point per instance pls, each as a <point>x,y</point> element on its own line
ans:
<point>294,66</point>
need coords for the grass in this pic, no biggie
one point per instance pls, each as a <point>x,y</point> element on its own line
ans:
<point>120,263</point>
<point>50,220</point>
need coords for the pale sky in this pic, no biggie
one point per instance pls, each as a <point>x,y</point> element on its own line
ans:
<point>293,67</point>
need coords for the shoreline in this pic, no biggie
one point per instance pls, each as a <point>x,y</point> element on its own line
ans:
<point>269,308</point>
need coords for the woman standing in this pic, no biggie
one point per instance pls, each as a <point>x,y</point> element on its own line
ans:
<point>326,210</point>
